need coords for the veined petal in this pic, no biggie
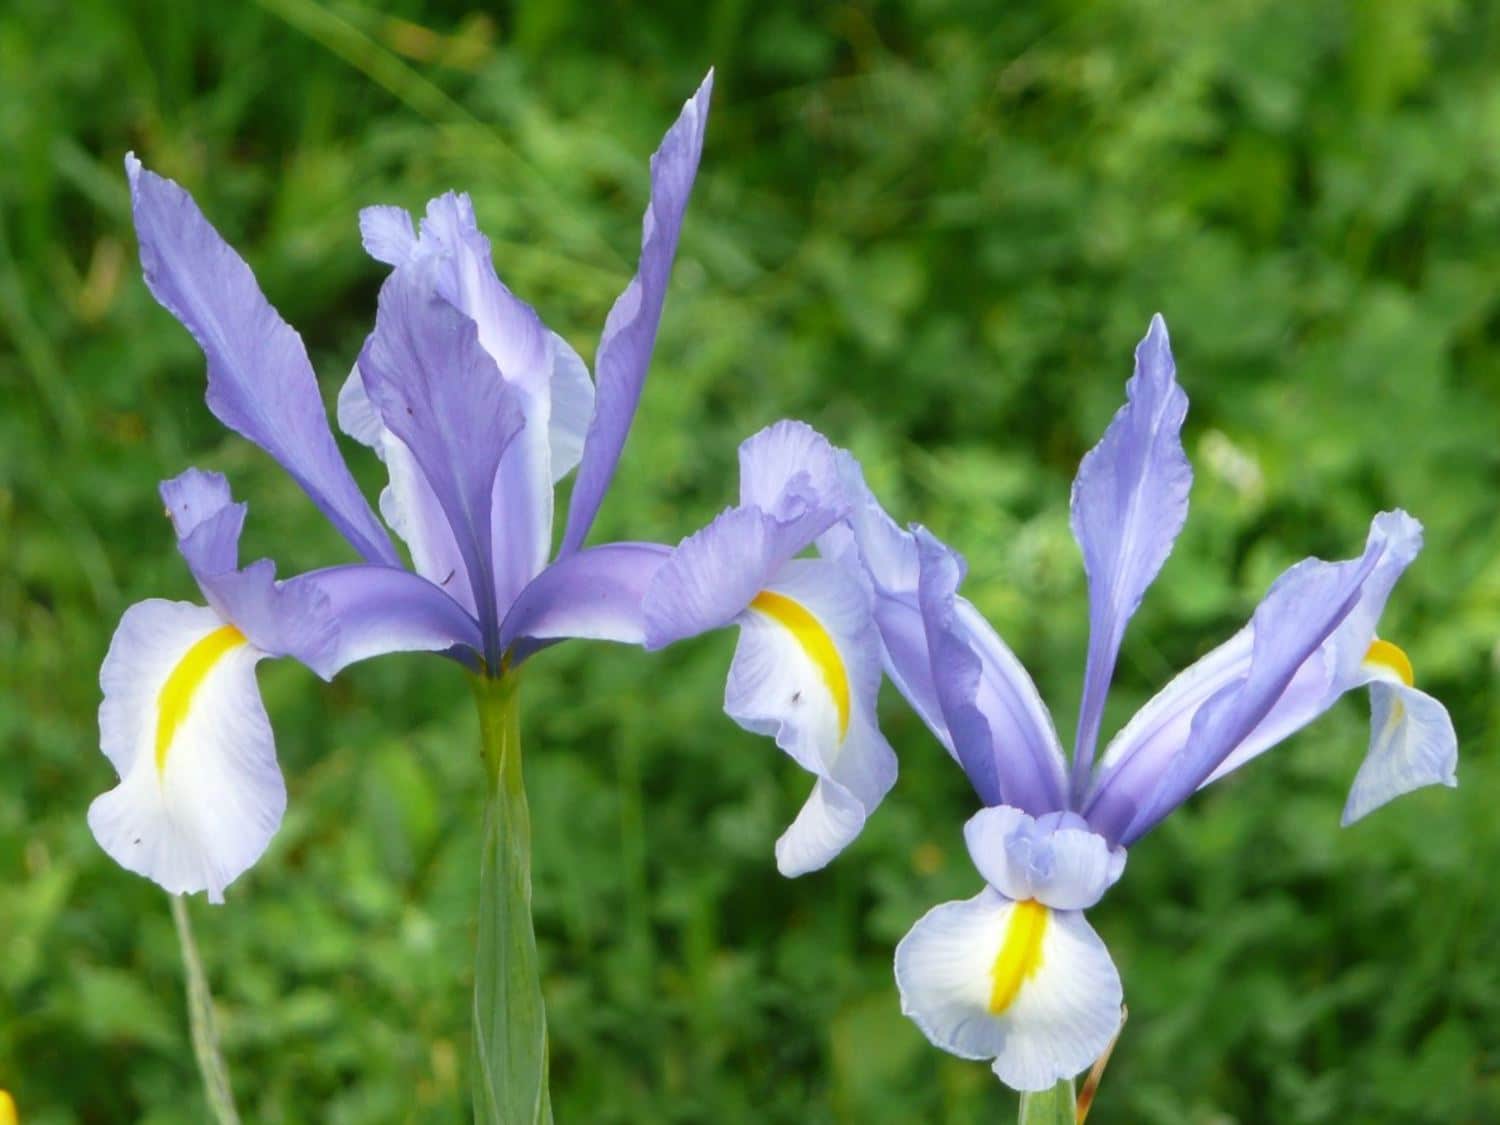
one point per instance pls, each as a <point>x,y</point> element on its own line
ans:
<point>596,594</point>
<point>260,383</point>
<point>807,673</point>
<point>1130,499</point>
<point>1002,733</point>
<point>200,794</point>
<point>381,609</point>
<point>789,471</point>
<point>1054,859</point>
<point>442,395</point>
<point>1030,987</point>
<point>1142,752</point>
<point>630,329</point>
<point>1412,744</point>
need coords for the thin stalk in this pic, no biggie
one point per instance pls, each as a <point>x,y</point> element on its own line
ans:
<point>215,1074</point>
<point>510,1023</point>
<point>1050,1107</point>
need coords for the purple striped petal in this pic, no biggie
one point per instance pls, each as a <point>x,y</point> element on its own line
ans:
<point>440,392</point>
<point>630,329</point>
<point>260,383</point>
<point>1130,500</point>
<point>597,593</point>
<point>1001,732</point>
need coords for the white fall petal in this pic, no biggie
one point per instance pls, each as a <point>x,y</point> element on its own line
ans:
<point>1032,988</point>
<point>807,672</point>
<point>200,793</point>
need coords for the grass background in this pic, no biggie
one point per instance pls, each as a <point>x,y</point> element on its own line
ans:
<point>932,228</point>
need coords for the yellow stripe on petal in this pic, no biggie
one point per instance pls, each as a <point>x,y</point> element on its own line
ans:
<point>177,693</point>
<point>7,1109</point>
<point>1385,655</point>
<point>809,633</point>
<point>1020,954</point>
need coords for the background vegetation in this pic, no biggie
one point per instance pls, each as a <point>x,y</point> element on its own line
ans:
<point>934,229</point>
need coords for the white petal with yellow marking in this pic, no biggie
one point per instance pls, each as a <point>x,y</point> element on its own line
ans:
<point>1032,988</point>
<point>200,794</point>
<point>807,672</point>
<point>1412,740</point>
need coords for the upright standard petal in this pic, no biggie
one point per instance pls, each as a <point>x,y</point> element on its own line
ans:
<point>1300,612</point>
<point>630,329</point>
<point>1130,500</point>
<point>1001,731</point>
<point>807,673</point>
<point>1030,987</point>
<point>260,383</point>
<point>440,392</point>
<point>200,794</point>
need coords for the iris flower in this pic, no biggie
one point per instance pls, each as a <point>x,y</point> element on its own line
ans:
<point>477,410</point>
<point>1016,974</point>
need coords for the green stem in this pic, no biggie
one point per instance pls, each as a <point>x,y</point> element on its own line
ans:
<point>510,1024</point>
<point>1050,1107</point>
<point>215,1074</point>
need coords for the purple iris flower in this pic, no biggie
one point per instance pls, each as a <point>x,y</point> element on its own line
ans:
<point>477,410</point>
<point>1016,974</point>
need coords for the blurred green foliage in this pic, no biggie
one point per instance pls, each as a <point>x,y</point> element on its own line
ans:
<point>934,229</point>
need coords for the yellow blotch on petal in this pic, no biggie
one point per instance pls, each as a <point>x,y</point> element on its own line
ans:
<point>808,632</point>
<point>177,693</point>
<point>7,1109</point>
<point>1388,656</point>
<point>1020,954</point>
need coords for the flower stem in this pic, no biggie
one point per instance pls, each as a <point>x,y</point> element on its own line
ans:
<point>510,1024</point>
<point>215,1074</point>
<point>1050,1107</point>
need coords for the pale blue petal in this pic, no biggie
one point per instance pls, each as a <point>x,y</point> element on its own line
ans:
<point>260,383</point>
<point>596,593</point>
<point>630,329</point>
<point>1130,499</point>
<point>1412,744</point>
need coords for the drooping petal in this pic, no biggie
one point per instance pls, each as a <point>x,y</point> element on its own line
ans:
<point>597,593</point>
<point>1030,987</point>
<point>869,541</point>
<point>260,383</point>
<point>807,673</point>
<point>1301,611</point>
<point>1412,744</point>
<point>1002,733</point>
<point>1140,754</point>
<point>790,494</point>
<point>440,392</point>
<point>200,794</point>
<point>381,609</point>
<point>630,329</point>
<point>277,621</point>
<point>1130,499</point>
<point>1055,859</point>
